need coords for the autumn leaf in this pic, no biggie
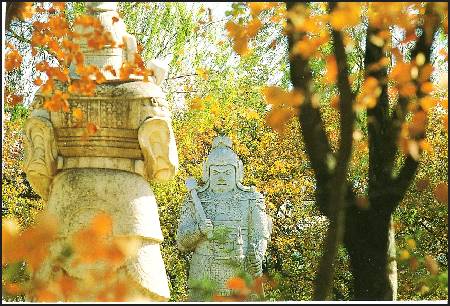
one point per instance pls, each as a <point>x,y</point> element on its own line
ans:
<point>404,255</point>
<point>203,73</point>
<point>13,60</point>
<point>115,19</point>
<point>346,15</point>
<point>215,109</point>
<point>77,113</point>
<point>196,103</point>
<point>278,96</point>
<point>428,103</point>
<point>14,288</point>
<point>422,184</point>
<point>91,128</point>
<point>67,285</point>
<point>401,73</point>
<point>370,91</point>
<point>236,283</point>
<point>253,27</point>
<point>25,10</point>
<point>418,124</point>
<point>32,244</point>
<point>431,265</point>
<point>427,87</point>
<point>278,117</point>
<point>441,192</point>
<point>331,75</point>
<point>110,69</point>
<point>57,102</point>
<point>411,244</point>
<point>102,224</point>
<point>45,295</point>
<point>59,5</point>
<point>251,114</point>
<point>12,99</point>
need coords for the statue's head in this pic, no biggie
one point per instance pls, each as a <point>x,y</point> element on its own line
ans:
<point>222,169</point>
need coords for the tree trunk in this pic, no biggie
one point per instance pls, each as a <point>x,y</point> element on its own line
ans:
<point>369,240</point>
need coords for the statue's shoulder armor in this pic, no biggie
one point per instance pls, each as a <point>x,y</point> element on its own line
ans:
<point>254,197</point>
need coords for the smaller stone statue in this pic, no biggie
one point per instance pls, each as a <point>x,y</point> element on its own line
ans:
<point>223,222</point>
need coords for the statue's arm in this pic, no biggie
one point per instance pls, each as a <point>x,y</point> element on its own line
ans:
<point>40,152</point>
<point>260,228</point>
<point>188,233</point>
<point>157,142</point>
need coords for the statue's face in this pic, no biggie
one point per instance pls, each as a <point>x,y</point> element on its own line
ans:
<point>222,178</point>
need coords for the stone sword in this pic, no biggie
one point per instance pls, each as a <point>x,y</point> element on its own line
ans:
<point>191,184</point>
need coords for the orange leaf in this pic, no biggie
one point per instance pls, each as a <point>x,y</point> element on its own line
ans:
<point>102,224</point>
<point>427,103</point>
<point>59,5</point>
<point>441,192</point>
<point>67,285</point>
<point>14,288</point>
<point>91,128</point>
<point>427,87</point>
<point>14,99</point>
<point>277,96</point>
<point>25,10</point>
<point>236,283</point>
<point>422,184</point>
<point>45,295</point>
<point>331,74</point>
<point>431,265</point>
<point>407,90</point>
<point>77,113</point>
<point>253,27</point>
<point>418,124</point>
<point>13,60</point>
<point>196,103</point>
<point>278,117</point>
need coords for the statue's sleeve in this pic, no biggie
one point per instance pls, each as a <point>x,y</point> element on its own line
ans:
<point>188,233</point>
<point>259,233</point>
<point>40,162</point>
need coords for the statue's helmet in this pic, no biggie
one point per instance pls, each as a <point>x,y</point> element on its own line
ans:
<point>222,154</point>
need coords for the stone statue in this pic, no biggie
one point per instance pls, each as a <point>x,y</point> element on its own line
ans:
<point>223,222</point>
<point>107,172</point>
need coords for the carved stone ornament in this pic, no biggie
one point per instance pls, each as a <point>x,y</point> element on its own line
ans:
<point>83,175</point>
<point>223,223</point>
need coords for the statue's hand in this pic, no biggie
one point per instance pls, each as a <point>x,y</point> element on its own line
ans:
<point>207,228</point>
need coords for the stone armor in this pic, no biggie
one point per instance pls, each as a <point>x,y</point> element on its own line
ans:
<point>239,214</point>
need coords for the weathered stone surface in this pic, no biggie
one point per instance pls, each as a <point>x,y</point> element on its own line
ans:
<point>223,206</point>
<point>106,172</point>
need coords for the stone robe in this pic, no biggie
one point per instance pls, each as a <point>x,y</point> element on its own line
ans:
<point>242,218</point>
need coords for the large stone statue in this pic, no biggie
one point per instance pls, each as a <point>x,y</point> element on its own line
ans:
<point>107,172</point>
<point>223,222</point>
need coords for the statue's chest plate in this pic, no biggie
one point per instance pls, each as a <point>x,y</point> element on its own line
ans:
<point>226,210</point>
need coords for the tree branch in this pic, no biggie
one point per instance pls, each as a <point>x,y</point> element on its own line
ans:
<point>423,46</point>
<point>316,141</point>
<point>336,204</point>
<point>382,146</point>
